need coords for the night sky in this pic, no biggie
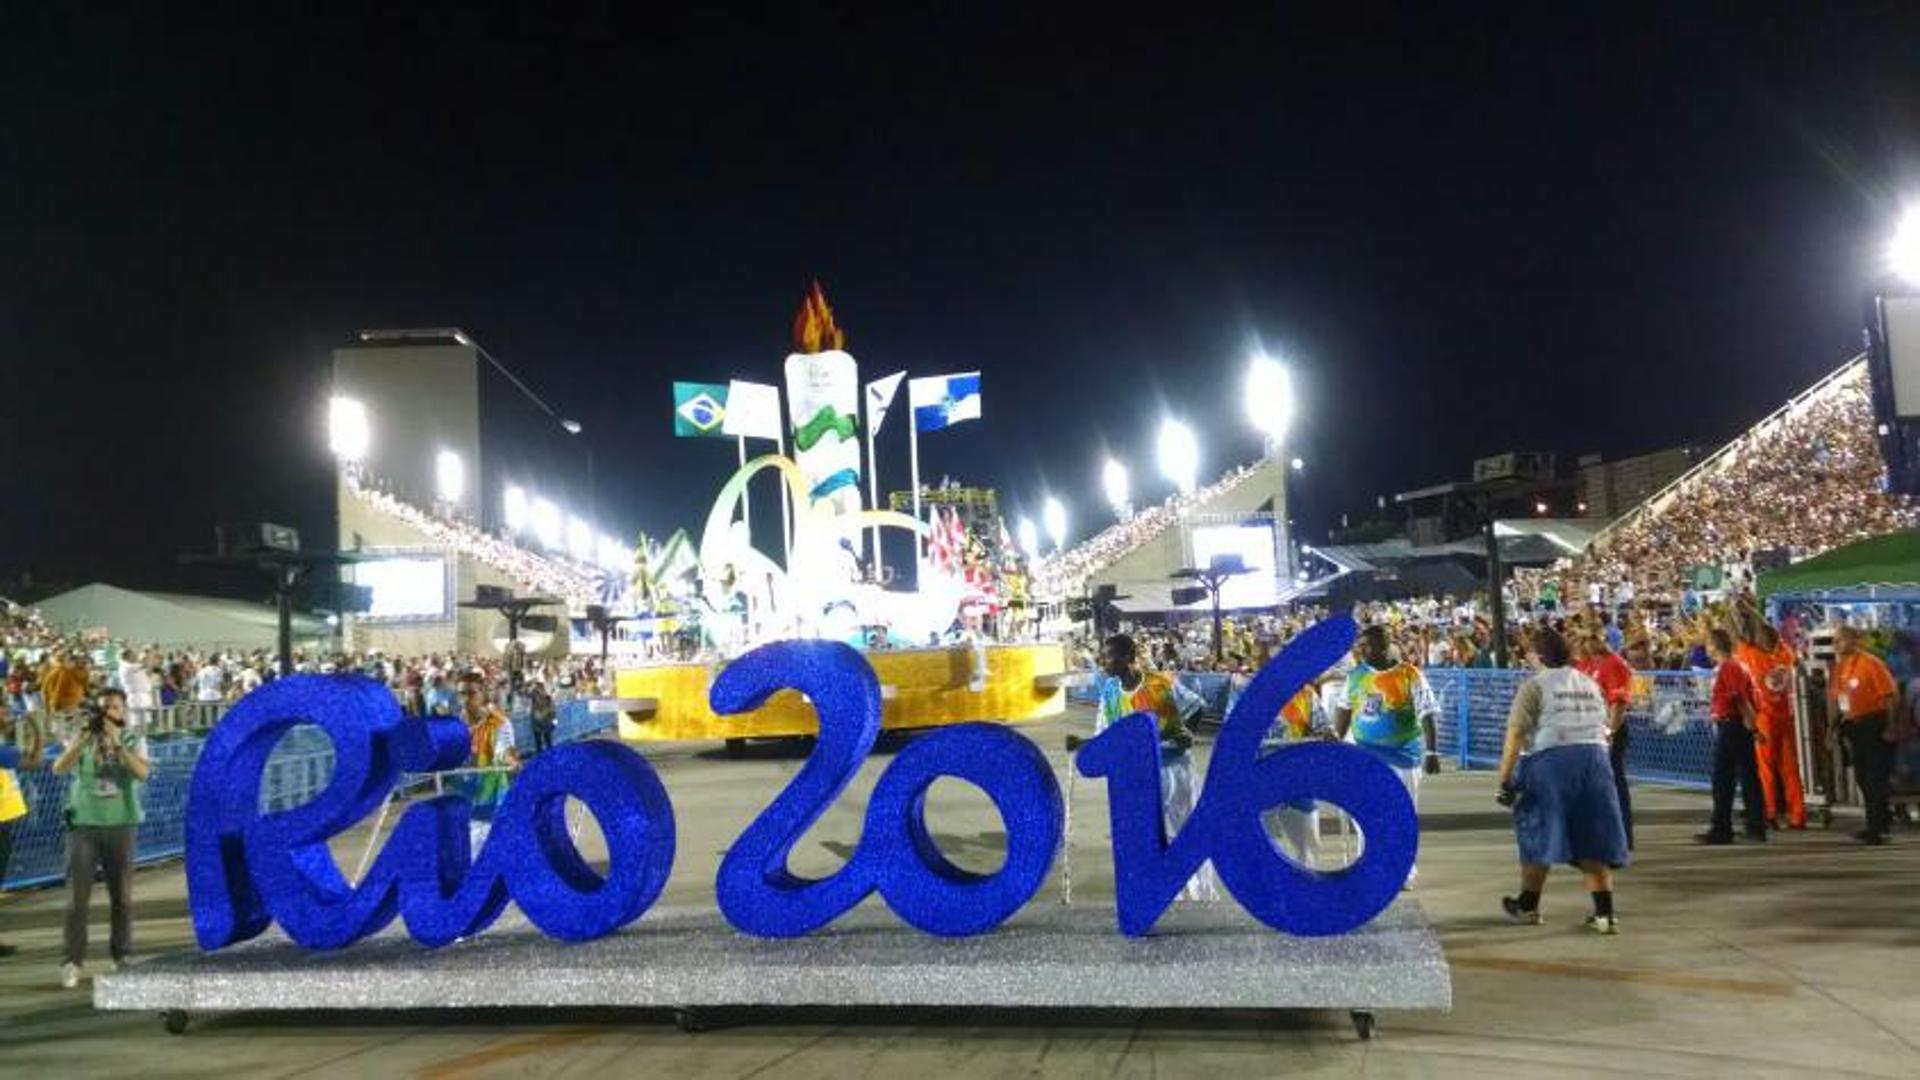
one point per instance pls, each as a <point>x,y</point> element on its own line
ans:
<point>1599,229</point>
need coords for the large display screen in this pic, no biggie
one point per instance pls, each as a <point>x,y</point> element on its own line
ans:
<point>1259,586</point>
<point>405,587</point>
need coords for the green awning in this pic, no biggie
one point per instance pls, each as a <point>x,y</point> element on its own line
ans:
<point>1881,568</point>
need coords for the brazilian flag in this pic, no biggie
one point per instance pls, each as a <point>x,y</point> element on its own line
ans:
<point>699,409</point>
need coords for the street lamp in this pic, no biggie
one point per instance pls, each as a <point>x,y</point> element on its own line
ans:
<point>1029,538</point>
<point>1113,480</point>
<point>1054,513</point>
<point>1903,252</point>
<point>1179,454</point>
<point>1269,392</point>
<point>1296,464</point>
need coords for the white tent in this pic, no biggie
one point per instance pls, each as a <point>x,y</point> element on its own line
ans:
<point>174,619</point>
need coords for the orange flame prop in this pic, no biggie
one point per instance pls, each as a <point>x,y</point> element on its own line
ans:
<point>813,326</point>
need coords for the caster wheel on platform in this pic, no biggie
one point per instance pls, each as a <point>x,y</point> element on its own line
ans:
<point>175,1020</point>
<point>689,1021</point>
<point>1363,1025</point>
<point>1826,819</point>
<point>736,748</point>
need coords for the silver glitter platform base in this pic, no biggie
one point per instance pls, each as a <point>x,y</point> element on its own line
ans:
<point>1050,956</point>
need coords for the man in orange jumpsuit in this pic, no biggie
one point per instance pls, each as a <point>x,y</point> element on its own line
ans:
<point>1768,662</point>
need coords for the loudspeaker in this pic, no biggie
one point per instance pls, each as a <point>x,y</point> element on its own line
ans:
<point>1188,594</point>
<point>540,624</point>
<point>355,599</point>
<point>255,536</point>
<point>491,595</point>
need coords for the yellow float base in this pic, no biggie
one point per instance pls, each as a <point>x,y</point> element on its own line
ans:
<point>923,687</point>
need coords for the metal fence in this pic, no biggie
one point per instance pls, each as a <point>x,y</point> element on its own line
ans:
<point>296,771</point>
<point>1670,737</point>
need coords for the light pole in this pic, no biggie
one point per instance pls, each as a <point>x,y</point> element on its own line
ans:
<point>1029,538</point>
<point>1269,394</point>
<point>1179,454</point>
<point>1054,513</point>
<point>1113,481</point>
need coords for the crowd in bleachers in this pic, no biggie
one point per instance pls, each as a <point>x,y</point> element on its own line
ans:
<point>1805,481</point>
<point>537,574</point>
<point>48,673</point>
<point>1065,573</point>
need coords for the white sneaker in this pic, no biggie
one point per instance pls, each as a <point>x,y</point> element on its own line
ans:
<point>70,976</point>
<point>1603,924</point>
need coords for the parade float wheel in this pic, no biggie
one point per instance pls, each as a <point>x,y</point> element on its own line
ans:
<point>689,1021</point>
<point>175,1021</point>
<point>1363,1024</point>
<point>736,749</point>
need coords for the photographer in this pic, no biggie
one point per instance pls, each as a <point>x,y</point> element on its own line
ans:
<point>103,814</point>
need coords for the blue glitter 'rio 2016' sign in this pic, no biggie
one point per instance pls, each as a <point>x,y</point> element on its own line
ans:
<point>247,870</point>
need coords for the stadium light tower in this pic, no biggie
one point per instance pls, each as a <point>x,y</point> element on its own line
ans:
<point>349,433</point>
<point>1054,513</point>
<point>513,504</point>
<point>546,524</point>
<point>580,539</point>
<point>449,476</point>
<point>1029,538</point>
<point>1269,394</point>
<point>1179,455</point>
<point>1903,252</point>
<point>1113,480</point>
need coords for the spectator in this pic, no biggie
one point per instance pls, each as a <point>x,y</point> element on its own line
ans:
<point>210,682</point>
<point>22,752</point>
<point>544,716</point>
<point>1615,680</point>
<point>1733,734</point>
<point>1862,694</point>
<point>492,750</point>
<point>63,684</point>
<point>104,811</point>
<point>1562,793</point>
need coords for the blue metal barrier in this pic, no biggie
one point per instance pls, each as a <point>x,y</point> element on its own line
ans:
<point>1473,722</point>
<point>299,767</point>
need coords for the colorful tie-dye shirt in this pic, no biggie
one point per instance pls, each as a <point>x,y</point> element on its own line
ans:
<point>1387,707</point>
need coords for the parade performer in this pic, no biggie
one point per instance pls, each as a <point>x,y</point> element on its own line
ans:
<point>1125,690</point>
<point>1389,711</point>
<point>491,734</point>
<point>1298,822</point>
<point>1768,662</point>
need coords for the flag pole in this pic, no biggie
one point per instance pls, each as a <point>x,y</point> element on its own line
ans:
<point>913,455</point>
<point>746,493</point>
<point>786,520</point>
<point>873,498</point>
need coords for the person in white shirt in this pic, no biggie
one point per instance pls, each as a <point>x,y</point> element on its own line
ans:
<point>210,682</point>
<point>137,682</point>
<point>1555,774</point>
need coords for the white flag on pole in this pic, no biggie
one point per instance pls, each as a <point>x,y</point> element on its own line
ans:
<point>753,410</point>
<point>880,394</point>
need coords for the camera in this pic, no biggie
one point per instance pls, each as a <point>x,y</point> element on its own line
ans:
<point>96,719</point>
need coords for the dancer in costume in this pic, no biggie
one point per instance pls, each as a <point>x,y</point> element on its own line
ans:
<point>1298,822</point>
<point>1126,690</point>
<point>491,735</point>
<point>1390,711</point>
